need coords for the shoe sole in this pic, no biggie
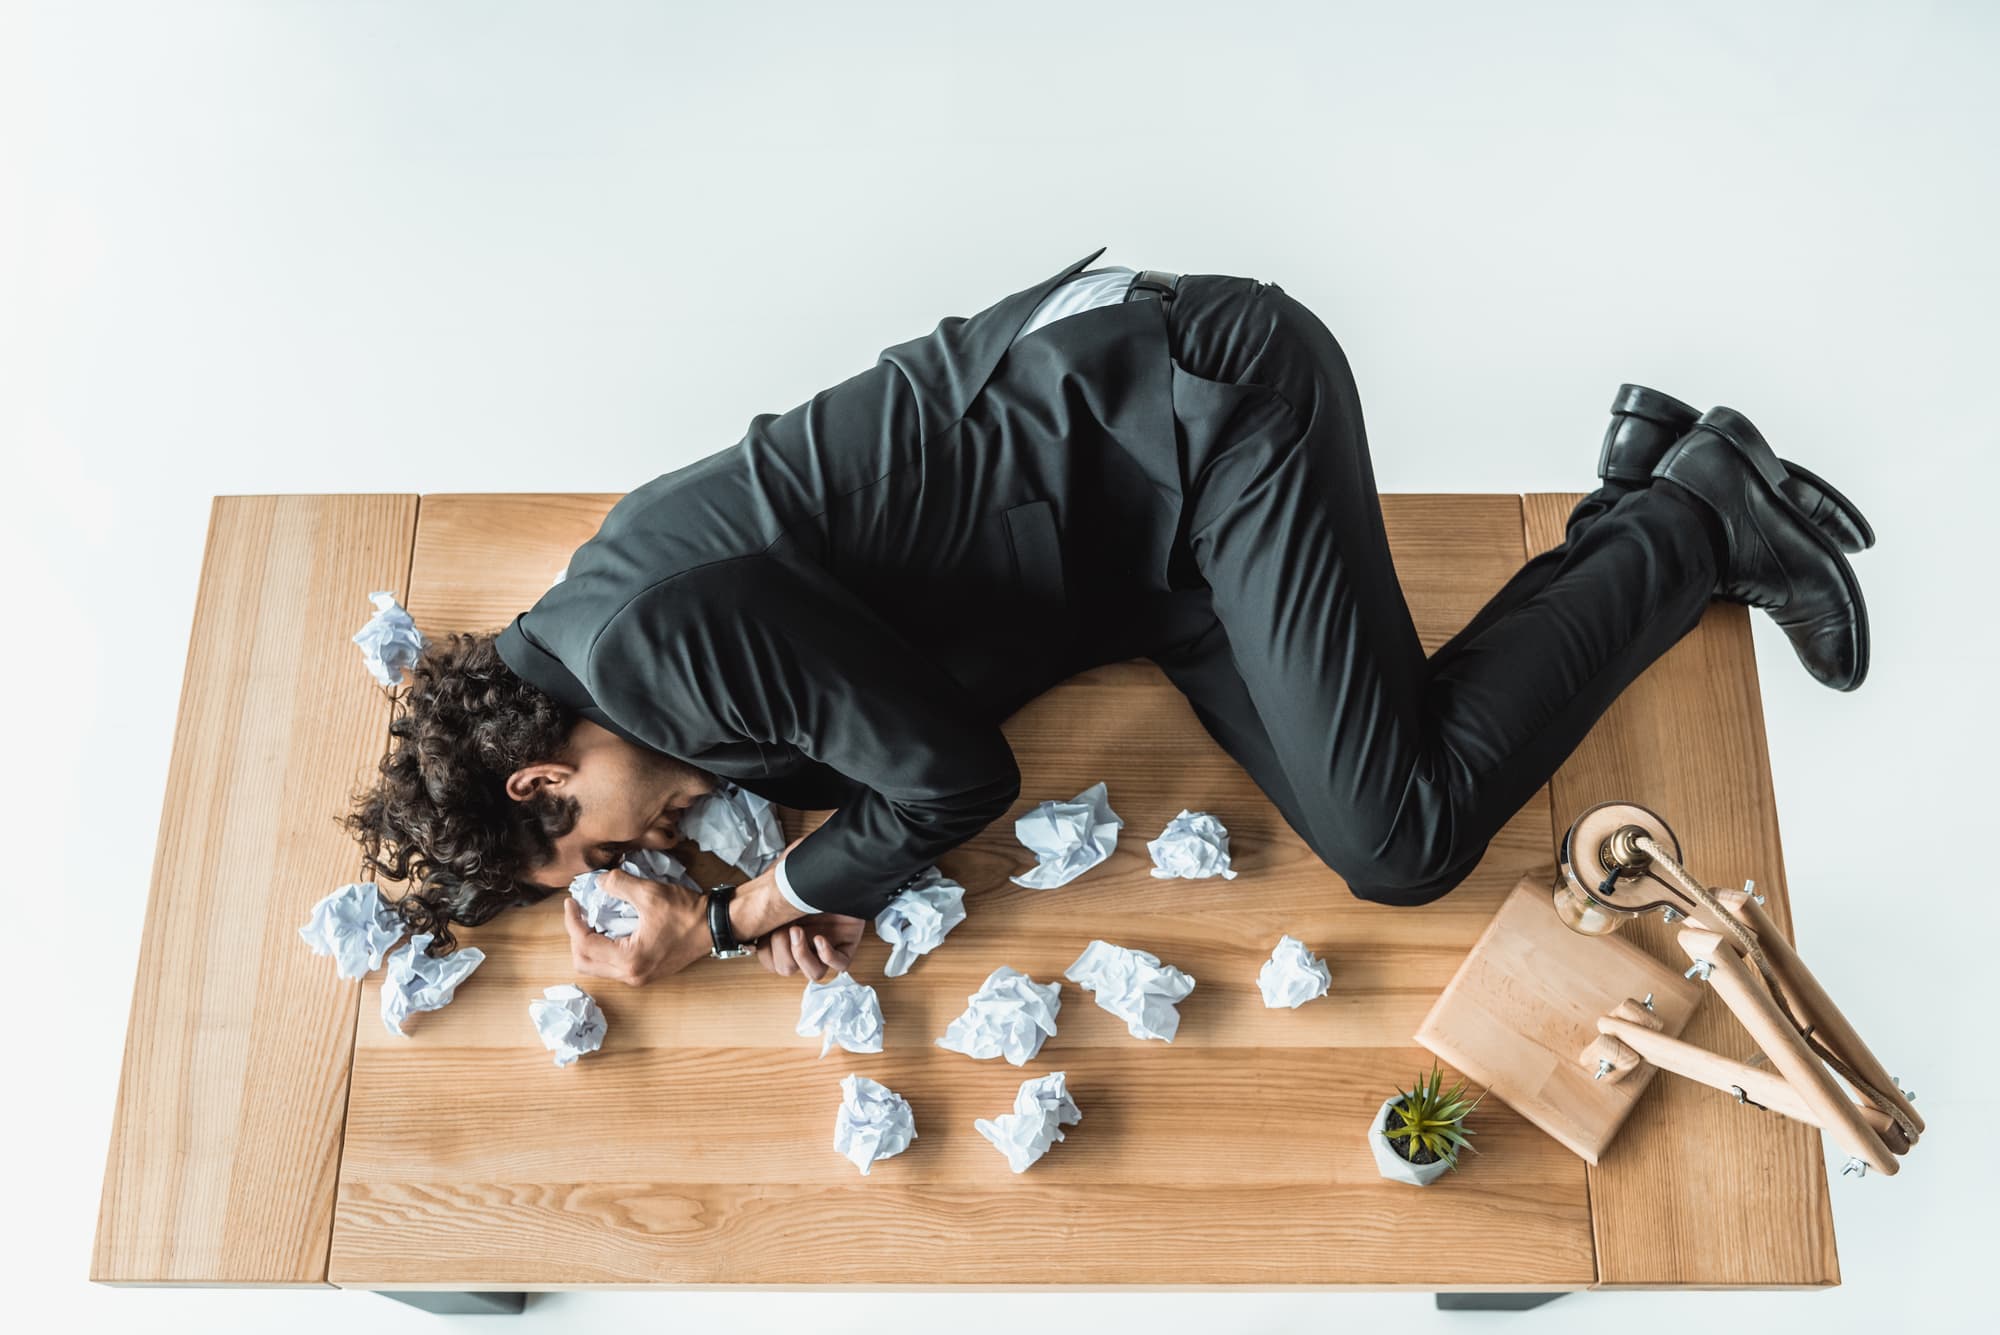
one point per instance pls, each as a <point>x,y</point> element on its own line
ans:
<point>1750,444</point>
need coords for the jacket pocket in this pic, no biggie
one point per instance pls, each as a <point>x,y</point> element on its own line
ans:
<point>1038,560</point>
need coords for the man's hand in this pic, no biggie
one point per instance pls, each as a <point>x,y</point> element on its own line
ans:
<point>818,945</point>
<point>672,932</point>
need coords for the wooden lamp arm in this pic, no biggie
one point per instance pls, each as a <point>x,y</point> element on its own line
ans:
<point>1759,1085</point>
<point>1745,995</point>
<point>1811,1002</point>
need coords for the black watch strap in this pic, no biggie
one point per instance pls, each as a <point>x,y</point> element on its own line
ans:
<point>723,935</point>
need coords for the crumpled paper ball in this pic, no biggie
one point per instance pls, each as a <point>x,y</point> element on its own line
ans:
<point>569,1020</point>
<point>416,982</point>
<point>1067,838</point>
<point>874,1122</point>
<point>657,864</point>
<point>390,642</point>
<point>1194,845</point>
<point>1011,1016</point>
<point>610,915</point>
<point>737,826</point>
<point>355,926</point>
<point>1293,975</point>
<point>1134,986</point>
<point>603,912</point>
<point>841,1011</point>
<point>916,921</point>
<point>1042,1107</point>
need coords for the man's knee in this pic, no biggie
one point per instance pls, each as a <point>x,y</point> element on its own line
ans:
<point>1401,896</point>
<point>1406,878</point>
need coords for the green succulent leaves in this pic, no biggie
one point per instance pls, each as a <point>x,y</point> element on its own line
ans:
<point>1434,1118</point>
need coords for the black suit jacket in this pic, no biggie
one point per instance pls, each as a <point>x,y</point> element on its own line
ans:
<point>841,609</point>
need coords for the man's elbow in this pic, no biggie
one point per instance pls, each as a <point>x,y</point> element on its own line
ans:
<point>1006,788</point>
<point>974,806</point>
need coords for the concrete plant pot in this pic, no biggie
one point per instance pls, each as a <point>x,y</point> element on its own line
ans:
<point>1390,1162</point>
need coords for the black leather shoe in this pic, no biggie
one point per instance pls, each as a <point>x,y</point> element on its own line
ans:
<point>1778,559</point>
<point>1644,425</point>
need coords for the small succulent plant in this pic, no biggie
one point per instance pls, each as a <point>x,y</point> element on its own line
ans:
<point>1433,1119</point>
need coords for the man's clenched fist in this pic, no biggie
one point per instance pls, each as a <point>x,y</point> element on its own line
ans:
<point>672,932</point>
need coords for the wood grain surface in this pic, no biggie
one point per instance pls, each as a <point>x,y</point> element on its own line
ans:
<point>227,1131</point>
<point>697,1146</point>
<point>1520,1016</point>
<point>502,550</point>
<point>1697,1189</point>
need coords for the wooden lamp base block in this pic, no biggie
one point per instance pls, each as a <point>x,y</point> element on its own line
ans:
<point>1523,1007</point>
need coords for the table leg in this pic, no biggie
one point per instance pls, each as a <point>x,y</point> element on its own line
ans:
<point>478,1303</point>
<point>1494,1302</point>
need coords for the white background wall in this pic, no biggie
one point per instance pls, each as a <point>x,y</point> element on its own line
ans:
<point>488,246</point>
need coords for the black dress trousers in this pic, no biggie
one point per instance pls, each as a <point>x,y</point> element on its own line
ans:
<point>1395,768</point>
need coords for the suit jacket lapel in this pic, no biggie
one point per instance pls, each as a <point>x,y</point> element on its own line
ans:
<point>951,364</point>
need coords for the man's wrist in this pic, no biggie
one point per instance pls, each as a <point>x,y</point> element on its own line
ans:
<point>785,888</point>
<point>756,908</point>
<point>723,940</point>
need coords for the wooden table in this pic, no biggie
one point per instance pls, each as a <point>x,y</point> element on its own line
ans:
<point>269,1131</point>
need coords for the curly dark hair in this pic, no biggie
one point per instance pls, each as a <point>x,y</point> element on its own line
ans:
<point>439,816</point>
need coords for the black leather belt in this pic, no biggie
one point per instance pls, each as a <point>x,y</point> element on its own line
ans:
<point>1153,285</point>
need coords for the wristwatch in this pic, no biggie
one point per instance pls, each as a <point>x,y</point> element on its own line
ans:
<point>726,946</point>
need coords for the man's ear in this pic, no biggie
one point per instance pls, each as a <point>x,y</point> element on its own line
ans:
<point>529,780</point>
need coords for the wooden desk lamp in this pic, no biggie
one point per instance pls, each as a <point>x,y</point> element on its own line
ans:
<point>1566,1021</point>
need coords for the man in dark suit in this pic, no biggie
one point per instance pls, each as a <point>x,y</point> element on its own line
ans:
<point>840,610</point>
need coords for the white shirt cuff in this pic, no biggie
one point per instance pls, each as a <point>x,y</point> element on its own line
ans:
<point>791,896</point>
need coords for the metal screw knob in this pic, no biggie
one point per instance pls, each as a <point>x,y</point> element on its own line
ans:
<point>1604,1068</point>
<point>1854,1168</point>
<point>1701,969</point>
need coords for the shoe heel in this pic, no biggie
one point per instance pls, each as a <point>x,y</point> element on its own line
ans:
<point>1749,442</point>
<point>1644,425</point>
<point>1654,406</point>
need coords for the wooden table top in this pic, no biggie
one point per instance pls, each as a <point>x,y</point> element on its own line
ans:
<point>307,1145</point>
